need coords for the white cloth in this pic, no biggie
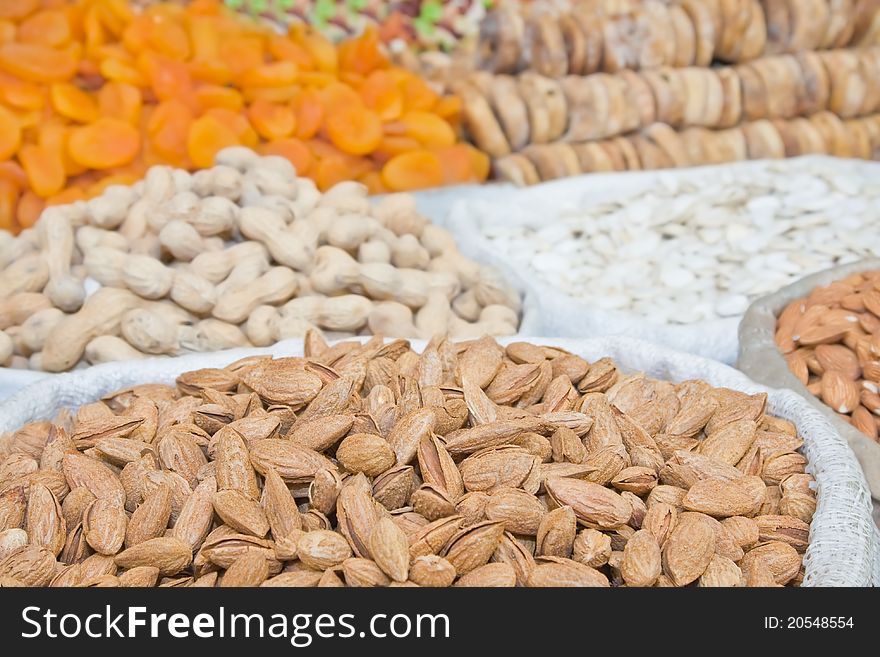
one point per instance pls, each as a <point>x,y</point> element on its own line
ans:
<point>843,538</point>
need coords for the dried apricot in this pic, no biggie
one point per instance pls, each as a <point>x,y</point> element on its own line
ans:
<point>363,54</point>
<point>239,125</point>
<point>118,70</point>
<point>283,49</point>
<point>448,107</point>
<point>215,95</point>
<point>169,39</point>
<point>242,54</point>
<point>354,130</point>
<point>10,133</point>
<point>320,49</point>
<point>294,150</point>
<point>336,169</point>
<point>276,74</point>
<point>54,136</point>
<point>20,94</point>
<point>73,103</point>
<point>309,113</point>
<point>417,95</point>
<point>271,120</point>
<point>104,144</point>
<point>119,100</point>
<point>426,128</point>
<point>50,27</point>
<point>167,77</point>
<point>382,95</point>
<point>207,135</point>
<point>167,127</point>
<point>44,169</point>
<point>413,170</point>
<point>11,170</point>
<point>8,201</point>
<point>18,9</point>
<point>30,207</point>
<point>37,63</point>
<point>373,181</point>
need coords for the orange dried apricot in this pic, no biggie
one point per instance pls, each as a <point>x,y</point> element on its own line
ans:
<point>272,94</point>
<point>320,48</point>
<point>363,54</point>
<point>276,74</point>
<point>207,135</point>
<point>104,144</point>
<point>309,113</point>
<point>10,133</point>
<point>70,194</point>
<point>167,128</point>
<point>382,95</point>
<point>337,95</point>
<point>168,38</point>
<point>168,78</point>
<point>426,128</point>
<point>53,136</point>
<point>283,49</point>
<point>413,170</point>
<point>118,70</point>
<point>271,120</point>
<point>336,169</point>
<point>37,63</point>
<point>417,95</point>
<point>7,31</point>
<point>50,27</point>
<point>73,103</point>
<point>292,149</point>
<point>373,181</point>
<point>119,100</point>
<point>8,201</point>
<point>20,94</point>
<point>11,170</point>
<point>215,95</point>
<point>239,125</point>
<point>30,207</point>
<point>44,169</point>
<point>241,54</point>
<point>355,130</point>
<point>448,107</point>
<point>17,9</point>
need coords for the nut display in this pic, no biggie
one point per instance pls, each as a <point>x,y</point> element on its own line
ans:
<point>831,341</point>
<point>470,464</point>
<point>684,248</point>
<point>244,253</point>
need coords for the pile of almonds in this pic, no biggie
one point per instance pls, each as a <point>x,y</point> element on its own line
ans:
<point>831,341</point>
<point>241,254</point>
<point>368,464</point>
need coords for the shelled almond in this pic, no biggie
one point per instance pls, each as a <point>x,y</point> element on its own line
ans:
<point>831,341</point>
<point>244,253</point>
<point>367,464</point>
<point>505,113</point>
<point>659,146</point>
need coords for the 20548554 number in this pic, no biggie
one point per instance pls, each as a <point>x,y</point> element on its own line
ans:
<point>819,622</point>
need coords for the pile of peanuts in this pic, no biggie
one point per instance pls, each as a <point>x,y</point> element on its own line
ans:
<point>241,254</point>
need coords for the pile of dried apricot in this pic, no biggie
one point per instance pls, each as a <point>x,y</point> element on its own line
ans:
<point>92,92</point>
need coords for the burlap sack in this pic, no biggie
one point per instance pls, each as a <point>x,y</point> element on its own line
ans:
<point>763,362</point>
